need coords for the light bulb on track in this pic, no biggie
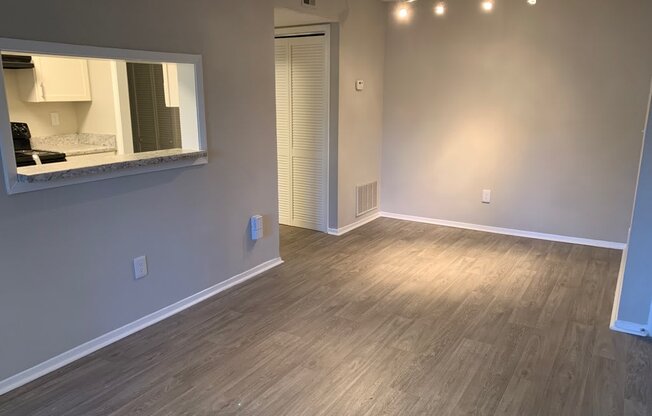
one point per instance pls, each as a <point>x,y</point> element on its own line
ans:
<point>487,5</point>
<point>403,11</point>
<point>440,8</point>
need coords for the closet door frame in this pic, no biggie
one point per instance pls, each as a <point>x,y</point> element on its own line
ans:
<point>324,30</point>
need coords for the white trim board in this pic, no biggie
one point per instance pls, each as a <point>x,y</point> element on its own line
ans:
<point>341,231</point>
<point>324,29</point>
<point>631,328</point>
<point>619,290</point>
<point>91,346</point>
<point>649,322</point>
<point>508,231</point>
<point>627,327</point>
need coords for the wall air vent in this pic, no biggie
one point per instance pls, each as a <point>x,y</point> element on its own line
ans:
<point>366,199</point>
<point>309,3</point>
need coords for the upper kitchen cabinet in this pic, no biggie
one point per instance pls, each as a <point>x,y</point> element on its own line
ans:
<point>55,79</point>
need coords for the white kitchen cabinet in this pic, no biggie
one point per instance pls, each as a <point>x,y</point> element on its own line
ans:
<point>55,79</point>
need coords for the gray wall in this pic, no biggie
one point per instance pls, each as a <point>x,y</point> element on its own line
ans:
<point>362,54</point>
<point>66,253</point>
<point>637,281</point>
<point>544,105</point>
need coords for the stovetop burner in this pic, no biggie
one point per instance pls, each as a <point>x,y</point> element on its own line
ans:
<point>25,155</point>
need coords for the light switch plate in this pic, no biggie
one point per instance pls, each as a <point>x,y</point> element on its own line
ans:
<point>54,118</point>
<point>486,196</point>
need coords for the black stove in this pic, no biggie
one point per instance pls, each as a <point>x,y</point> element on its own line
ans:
<point>33,157</point>
<point>25,155</point>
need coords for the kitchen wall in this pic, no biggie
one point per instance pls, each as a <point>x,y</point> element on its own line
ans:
<point>66,254</point>
<point>98,116</point>
<point>544,105</point>
<point>37,115</point>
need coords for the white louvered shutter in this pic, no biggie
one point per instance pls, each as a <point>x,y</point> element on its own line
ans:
<point>283,130</point>
<point>308,131</point>
<point>305,115</point>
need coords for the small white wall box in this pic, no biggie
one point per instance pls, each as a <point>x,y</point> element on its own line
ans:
<point>140,267</point>
<point>359,85</point>
<point>486,196</point>
<point>256,223</point>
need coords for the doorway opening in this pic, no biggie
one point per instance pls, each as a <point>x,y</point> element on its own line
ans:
<point>302,56</point>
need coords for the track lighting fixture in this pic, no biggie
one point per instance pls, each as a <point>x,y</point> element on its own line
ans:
<point>440,8</point>
<point>404,8</point>
<point>487,5</point>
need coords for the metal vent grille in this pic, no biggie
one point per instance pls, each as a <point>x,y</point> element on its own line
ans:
<point>366,198</point>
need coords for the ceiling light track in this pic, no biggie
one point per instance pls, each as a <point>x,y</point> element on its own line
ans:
<point>404,8</point>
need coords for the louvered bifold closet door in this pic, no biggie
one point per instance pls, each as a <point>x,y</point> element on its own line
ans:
<point>306,119</point>
<point>283,130</point>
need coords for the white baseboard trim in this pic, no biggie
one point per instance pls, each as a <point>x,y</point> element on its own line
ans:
<point>341,231</point>
<point>619,290</point>
<point>508,231</point>
<point>633,328</point>
<point>89,347</point>
<point>630,328</point>
<point>649,323</point>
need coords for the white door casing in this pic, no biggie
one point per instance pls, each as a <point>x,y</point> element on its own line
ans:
<point>302,130</point>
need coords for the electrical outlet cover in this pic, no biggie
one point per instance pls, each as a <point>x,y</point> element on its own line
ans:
<point>486,196</point>
<point>140,267</point>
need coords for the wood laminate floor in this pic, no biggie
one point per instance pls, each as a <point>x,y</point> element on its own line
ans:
<point>394,318</point>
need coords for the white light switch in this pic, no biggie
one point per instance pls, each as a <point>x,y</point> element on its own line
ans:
<point>54,118</point>
<point>359,85</point>
<point>140,267</point>
<point>486,196</point>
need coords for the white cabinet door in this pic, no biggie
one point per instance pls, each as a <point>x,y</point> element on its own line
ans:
<point>55,79</point>
<point>302,130</point>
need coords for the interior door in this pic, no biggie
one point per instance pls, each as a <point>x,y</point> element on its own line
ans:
<point>302,130</point>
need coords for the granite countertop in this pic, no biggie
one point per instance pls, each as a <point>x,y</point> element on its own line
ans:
<point>77,149</point>
<point>76,144</point>
<point>102,163</point>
